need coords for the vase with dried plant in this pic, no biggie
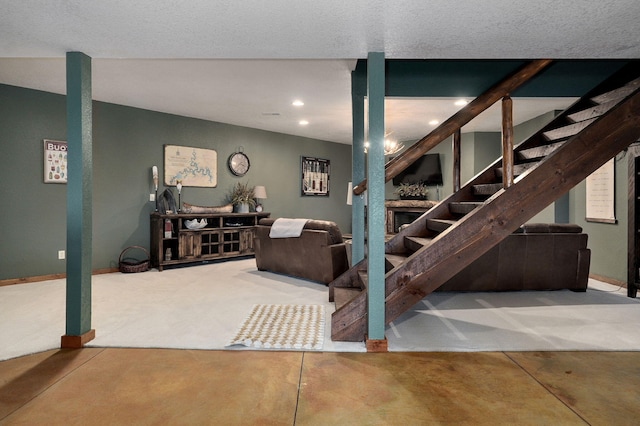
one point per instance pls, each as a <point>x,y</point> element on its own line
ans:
<point>242,196</point>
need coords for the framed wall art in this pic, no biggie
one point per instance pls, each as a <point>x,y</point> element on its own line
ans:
<point>192,166</point>
<point>55,161</point>
<point>315,176</point>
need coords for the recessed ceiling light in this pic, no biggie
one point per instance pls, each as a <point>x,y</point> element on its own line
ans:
<point>433,122</point>
<point>297,103</point>
<point>461,102</point>
<point>303,122</point>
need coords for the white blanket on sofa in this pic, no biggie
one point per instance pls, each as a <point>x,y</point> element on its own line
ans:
<point>287,228</point>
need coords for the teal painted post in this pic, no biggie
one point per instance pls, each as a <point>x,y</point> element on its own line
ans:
<point>375,189</point>
<point>79,193</point>
<point>358,173</point>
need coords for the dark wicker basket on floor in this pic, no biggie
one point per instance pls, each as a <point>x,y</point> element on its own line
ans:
<point>128,265</point>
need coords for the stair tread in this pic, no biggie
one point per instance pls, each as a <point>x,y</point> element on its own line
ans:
<point>617,94</point>
<point>395,259</point>
<point>439,225</point>
<point>593,112</point>
<point>486,188</point>
<point>464,207</point>
<point>518,169</point>
<point>424,240</point>
<point>343,295</point>
<point>567,131</point>
<point>450,221</point>
<point>414,244</point>
<point>539,151</point>
<point>364,278</point>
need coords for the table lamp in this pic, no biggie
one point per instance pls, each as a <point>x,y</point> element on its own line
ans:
<point>259,193</point>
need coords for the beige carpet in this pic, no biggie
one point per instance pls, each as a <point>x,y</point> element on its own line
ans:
<point>201,307</point>
<point>299,327</point>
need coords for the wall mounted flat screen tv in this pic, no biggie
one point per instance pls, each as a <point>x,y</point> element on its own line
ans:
<point>426,169</point>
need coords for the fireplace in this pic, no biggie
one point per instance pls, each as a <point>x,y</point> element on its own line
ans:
<point>402,212</point>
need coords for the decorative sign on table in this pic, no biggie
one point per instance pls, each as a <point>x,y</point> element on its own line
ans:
<point>315,176</point>
<point>601,194</point>
<point>55,161</point>
<point>192,166</point>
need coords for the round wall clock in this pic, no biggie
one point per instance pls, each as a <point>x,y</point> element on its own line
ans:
<point>239,163</point>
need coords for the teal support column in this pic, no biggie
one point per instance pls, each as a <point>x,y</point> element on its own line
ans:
<point>79,201</point>
<point>358,170</point>
<point>375,189</point>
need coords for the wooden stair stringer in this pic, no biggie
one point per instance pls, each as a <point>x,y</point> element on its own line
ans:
<point>503,213</point>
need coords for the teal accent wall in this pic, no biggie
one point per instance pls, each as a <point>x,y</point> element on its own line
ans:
<point>34,213</point>
<point>471,77</point>
<point>127,142</point>
<point>487,147</point>
<point>608,242</point>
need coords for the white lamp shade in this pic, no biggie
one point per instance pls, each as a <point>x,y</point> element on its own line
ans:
<point>260,192</point>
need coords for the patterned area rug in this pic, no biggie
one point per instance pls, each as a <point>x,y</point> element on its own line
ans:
<point>282,327</point>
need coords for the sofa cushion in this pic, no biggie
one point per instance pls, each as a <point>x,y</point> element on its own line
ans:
<point>549,228</point>
<point>335,236</point>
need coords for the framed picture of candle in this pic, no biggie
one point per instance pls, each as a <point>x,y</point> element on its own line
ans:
<point>315,173</point>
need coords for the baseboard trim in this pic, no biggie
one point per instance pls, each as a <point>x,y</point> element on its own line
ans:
<point>608,280</point>
<point>77,342</point>
<point>38,278</point>
<point>377,345</point>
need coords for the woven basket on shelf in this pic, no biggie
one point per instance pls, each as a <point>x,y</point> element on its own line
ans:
<point>133,265</point>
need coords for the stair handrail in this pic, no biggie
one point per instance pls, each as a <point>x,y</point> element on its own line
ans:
<point>459,119</point>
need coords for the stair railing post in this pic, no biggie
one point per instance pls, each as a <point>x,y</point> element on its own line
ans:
<point>507,142</point>
<point>457,137</point>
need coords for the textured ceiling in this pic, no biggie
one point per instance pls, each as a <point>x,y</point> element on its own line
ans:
<point>244,62</point>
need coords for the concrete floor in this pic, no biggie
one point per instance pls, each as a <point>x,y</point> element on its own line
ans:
<point>169,386</point>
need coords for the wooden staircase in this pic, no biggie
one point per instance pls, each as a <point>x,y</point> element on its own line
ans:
<point>458,230</point>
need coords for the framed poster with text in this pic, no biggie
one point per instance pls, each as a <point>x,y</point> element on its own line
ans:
<point>600,194</point>
<point>55,161</point>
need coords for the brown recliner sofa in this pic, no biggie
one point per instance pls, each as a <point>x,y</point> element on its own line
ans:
<point>535,257</point>
<point>318,254</point>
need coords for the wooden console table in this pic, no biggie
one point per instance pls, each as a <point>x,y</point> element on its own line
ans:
<point>226,235</point>
<point>410,209</point>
